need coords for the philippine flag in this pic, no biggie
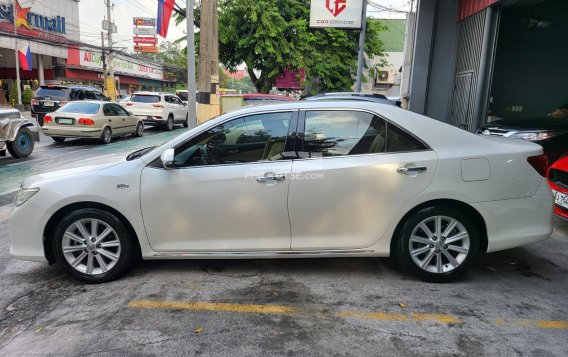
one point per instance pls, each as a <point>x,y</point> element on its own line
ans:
<point>165,9</point>
<point>25,58</point>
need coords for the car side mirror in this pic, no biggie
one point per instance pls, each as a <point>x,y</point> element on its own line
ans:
<point>167,158</point>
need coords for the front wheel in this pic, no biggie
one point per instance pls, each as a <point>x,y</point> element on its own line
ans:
<point>23,145</point>
<point>93,246</point>
<point>438,244</point>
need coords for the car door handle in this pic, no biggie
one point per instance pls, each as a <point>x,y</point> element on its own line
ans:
<point>404,170</point>
<point>271,176</point>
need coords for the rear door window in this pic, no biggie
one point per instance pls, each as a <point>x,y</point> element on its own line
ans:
<point>399,140</point>
<point>120,110</point>
<point>109,110</point>
<point>145,98</point>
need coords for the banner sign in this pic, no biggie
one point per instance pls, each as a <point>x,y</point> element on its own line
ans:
<point>145,40</point>
<point>336,13</point>
<point>146,49</point>
<point>144,31</point>
<point>144,21</point>
<point>92,60</point>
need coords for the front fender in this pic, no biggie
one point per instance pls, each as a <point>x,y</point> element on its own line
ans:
<point>15,126</point>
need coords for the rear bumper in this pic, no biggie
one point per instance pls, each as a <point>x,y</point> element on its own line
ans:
<point>72,132</point>
<point>516,222</point>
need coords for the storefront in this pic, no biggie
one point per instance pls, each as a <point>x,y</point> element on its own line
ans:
<point>85,66</point>
<point>508,60</point>
<point>47,27</point>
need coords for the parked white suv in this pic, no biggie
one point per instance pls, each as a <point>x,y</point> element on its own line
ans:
<point>163,109</point>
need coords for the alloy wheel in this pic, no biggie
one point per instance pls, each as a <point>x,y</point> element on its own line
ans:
<point>91,246</point>
<point>439,244</point>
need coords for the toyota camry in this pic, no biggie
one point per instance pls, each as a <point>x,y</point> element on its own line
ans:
<point>295,180</point>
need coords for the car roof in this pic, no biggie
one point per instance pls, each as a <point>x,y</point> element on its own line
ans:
<point>81,86</point>
<point>152,93</point>
<point>90,101</point>
<point>349,94</point>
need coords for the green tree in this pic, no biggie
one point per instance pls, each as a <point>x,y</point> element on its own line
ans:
<point>27,96</point>
<point>14,94</point>
<point>270,36</point>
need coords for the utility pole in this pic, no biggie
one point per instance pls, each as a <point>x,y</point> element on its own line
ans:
<point>191,85</point>
<point>103,58</point>
<point>361,56</point>
<point>208,81</point>
<point>111,91</point>
<point>15,15</point>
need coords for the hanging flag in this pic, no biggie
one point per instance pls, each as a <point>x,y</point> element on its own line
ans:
<point>25,56</point>
<point>165,9</point>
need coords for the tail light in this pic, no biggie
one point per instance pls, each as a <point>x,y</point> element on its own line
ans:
<point>35,102</point>
<point>129,104</point>
<point>47,119</point>
<point>539,163</point>
<point>157,105</point>
<point>86,121</point>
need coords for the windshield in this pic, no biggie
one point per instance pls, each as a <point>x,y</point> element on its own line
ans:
<point>80,108</point>
<point>52,92</point>
<point>145,98</point>
<point>10,115</point>
<point>182,95</point>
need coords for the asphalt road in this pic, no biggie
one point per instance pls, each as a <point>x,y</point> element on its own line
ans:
<point>512,303</point>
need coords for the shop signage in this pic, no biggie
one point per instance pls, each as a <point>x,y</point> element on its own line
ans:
<point>144,31</point>
<point>145,40</point>
<point>146,49</point>
<point>144,21</point>
<point>336,13</point>
<point>30,20</point>
<point>122,65</point>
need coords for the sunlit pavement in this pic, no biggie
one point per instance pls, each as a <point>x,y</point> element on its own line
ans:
<point>511,303</point>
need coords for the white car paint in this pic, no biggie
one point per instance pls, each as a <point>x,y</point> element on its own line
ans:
<point>218,212</point>
<point>158,112</point>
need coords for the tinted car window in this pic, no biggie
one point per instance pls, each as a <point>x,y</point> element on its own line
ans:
<point>80,108</point>
<point>182,95</point>
<point>336,133</point>
<point>109,110</point>
<point>77,94</point>
<point>399,141</point>
<point>52,92</point>
<point>89,94</point>
<point>142,98</point>
<point>249,139</point>
<point>100,96</point>
<point>120,110</point>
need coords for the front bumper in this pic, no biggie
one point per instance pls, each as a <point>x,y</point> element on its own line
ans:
<point>26,238</point>
<point>516,222</point>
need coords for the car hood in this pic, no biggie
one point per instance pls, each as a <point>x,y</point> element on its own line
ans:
<point>88,165</point>
<point>542,123</point>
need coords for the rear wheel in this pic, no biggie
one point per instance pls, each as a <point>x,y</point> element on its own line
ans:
<point>23,145</point>
<point>94,246</point>
<point>438,244</point>
<point>106,136</point>
<point>139,130</point>
<point>58,139</point>
<point>170,123</point>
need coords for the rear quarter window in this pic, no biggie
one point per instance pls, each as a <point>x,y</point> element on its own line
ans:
<point>399,140</point>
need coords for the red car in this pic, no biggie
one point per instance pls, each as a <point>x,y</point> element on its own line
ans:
<point>558,179</point>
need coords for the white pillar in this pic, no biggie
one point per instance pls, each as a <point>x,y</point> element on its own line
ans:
<point>40,74</point>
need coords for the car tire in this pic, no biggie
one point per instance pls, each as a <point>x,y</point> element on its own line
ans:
<point>424,246</point>
<point>106,135</point>
<point>58,139</point>
<point>170,123</point>
<point>23,144</point>
<point>139,130</point>
<point>96,259</point>
<point>186,122</point>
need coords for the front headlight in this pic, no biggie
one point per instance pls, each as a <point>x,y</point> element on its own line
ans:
<point>533,135</point>
<point>23,195</point>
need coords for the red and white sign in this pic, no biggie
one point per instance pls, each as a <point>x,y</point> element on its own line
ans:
<point>145,40</point>
<point>336,13</point>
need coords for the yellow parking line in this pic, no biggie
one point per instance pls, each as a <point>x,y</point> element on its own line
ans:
<point>545,324</point>
<point>212,306</point>
<point>373,315</point>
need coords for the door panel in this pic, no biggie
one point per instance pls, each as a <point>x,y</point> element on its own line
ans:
<point>348,202</point>
<point>216,208</point>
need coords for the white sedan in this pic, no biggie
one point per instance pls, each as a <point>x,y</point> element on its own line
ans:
<point>319,179</point>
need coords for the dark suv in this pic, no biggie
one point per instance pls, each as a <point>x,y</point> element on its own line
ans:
<point>49,98</point>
